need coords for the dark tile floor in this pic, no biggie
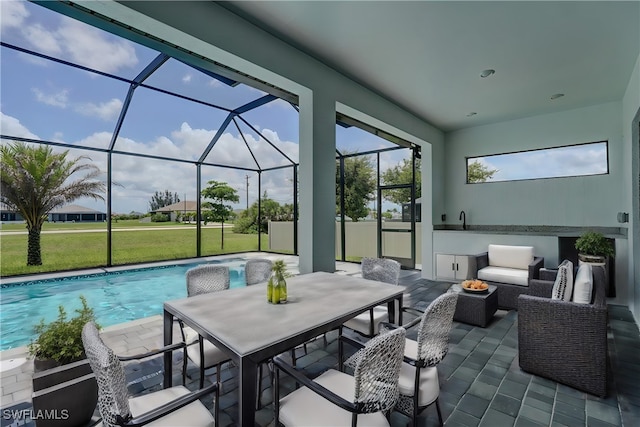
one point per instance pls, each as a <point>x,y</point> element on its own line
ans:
<point>481,382</point>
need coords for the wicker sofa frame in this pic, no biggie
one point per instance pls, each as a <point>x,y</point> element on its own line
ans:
<point>564,341</point>
<point>508,293</point>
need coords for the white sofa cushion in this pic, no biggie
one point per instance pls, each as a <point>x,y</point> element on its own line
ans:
<point>510,256</point>
<point>583,285</point>
<point>563,286</point>
<point>504,275</point>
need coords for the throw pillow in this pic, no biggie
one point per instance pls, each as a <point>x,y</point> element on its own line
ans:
<point>563,286</point>
<point>583,285</point>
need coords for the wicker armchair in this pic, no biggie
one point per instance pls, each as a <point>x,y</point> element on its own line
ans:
<point>565,341</point>
<point>204,354</point>
<point>336,398</point>
<point>419,385</point>
<point>382,270</point>
<point>508,293</point>
<point>257,270</point>
<point>170,406</point>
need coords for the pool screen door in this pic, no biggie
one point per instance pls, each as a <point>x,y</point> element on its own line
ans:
<point>397,236</point>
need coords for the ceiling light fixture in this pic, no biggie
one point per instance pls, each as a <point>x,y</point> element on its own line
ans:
<point>487,73</point>
<point>471,114</point>
<point>557,95</point>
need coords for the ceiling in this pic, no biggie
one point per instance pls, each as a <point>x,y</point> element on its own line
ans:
<point>427,56</point>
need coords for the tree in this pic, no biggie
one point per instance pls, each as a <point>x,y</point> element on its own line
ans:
<point>359,186</point>
<point>401,174</point>
<point>248,222</point>
<point>35,180</point>
<point>160,200</point>
<point>477,172</point>
<point>220,193</point>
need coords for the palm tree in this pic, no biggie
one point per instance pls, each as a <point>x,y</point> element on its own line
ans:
<point>35,180</point>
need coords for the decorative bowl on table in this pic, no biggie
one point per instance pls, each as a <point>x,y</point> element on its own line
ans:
<point>474,286</point>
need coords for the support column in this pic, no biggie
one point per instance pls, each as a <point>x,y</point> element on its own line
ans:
<point>317,234</point>
<point>427,211</point>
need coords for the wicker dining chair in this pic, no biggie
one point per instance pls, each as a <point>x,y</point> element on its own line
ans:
<point>170,406</point>
<point>257,270</point>
<point>382,270</point>
<point>204,354</point>
<point>419,386</point>
<point>336,398</point>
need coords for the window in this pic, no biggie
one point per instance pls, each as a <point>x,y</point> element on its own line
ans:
<point>571,160</point>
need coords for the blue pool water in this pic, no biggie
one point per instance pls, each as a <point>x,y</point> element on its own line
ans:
<point>115,297</point>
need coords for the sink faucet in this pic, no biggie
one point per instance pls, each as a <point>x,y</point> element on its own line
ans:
<point>463,217</point>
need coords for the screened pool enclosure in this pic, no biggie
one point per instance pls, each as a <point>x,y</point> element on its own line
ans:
<point>153,123</point>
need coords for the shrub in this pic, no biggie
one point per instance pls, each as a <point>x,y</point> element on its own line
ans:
<point>61,340</point>
<point>593,243</point>
<point>158,217</point>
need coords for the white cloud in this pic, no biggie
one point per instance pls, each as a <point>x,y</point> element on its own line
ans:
<point>41,38</point>
<point>105,111</point>
<point>12,14</point>
<point>12,126</point>
<point>214,83</point>
<point>89,46</point>
<point>186,79</point>
<point>74,41</point>
<point>59,99</point>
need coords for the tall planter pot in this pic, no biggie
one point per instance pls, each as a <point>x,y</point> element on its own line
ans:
<point>604,263</point>
<point>66,395</point>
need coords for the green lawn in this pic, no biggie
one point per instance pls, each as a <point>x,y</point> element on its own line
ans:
<point>69,251</point>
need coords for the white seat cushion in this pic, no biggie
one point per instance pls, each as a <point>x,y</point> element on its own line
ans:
<point>583,285</point>
<point>429,384</point>
<point>212,354</point>
<point>360,323</point>
<point>513,276</point>
<point>194,414</point>
<point>518,257</point>
<point>302,407</point>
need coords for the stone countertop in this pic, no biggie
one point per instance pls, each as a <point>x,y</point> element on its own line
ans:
<point>542,230</point>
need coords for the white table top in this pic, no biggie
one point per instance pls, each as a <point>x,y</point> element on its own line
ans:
<point>243,321</point>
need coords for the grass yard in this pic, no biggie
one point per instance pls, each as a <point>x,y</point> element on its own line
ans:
<point>68,251</point>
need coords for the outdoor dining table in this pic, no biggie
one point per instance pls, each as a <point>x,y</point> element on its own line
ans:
<point>242,323</point>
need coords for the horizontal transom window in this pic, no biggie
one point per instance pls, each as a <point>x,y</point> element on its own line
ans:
<point>557,162</point>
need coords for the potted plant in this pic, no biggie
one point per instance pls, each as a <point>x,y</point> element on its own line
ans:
<point>64,386</point>
<point>593,247</point>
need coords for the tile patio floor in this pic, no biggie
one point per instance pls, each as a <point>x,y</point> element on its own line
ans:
<point>481,382</point>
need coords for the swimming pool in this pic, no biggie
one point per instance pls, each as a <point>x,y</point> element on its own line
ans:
<point>115,297</point>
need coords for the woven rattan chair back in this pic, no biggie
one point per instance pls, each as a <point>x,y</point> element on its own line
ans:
<point>434,329</point>
<point>207,278</point>
<point>381,269</point>
<point>113,396</point>
<point>377,371</point>
<point>257,270</point>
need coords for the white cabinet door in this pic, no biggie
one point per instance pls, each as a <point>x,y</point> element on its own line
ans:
<point>461,267</point>
<point>454,267</point>
<point>445,267</point>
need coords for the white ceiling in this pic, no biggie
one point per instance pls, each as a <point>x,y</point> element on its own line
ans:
<point>427,56</point>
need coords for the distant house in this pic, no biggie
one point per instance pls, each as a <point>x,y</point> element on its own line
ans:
<point>68,213</point>
<point>180,208</point>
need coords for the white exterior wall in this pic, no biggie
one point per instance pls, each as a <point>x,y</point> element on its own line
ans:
<point>589,201</point>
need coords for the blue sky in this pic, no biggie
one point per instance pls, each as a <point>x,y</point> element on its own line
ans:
<point>45,100</point>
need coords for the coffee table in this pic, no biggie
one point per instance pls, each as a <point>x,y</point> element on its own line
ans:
<point>475,308</point>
